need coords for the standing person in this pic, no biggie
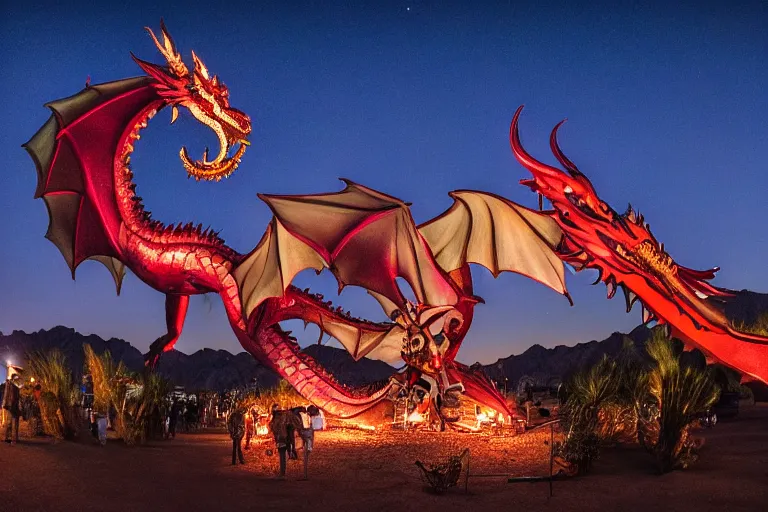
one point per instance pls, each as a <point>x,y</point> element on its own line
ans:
<point>173,419</point>
<point>101,422</point>
<point>250,427</point>
<point>293,427</point>
<point>308,434</point>
<point>236,427</point>
<point>94,424</point>
<point>12,403</point>
<point>278,425</point>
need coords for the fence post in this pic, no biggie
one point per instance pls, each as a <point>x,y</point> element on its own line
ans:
<point>466,477</point>
<point>551,454</point>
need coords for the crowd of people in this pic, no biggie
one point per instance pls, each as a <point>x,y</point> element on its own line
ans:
<point>182,413</point>
<point>284,425</point>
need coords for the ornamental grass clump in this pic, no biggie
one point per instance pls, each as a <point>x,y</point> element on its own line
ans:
<point>145,406</point>
<point>58,393</point>
<point>136,399</point>
<point>283,395</point>
<point>108,389</point>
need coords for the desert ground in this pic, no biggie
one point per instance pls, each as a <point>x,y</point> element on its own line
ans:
<point>364,471</point>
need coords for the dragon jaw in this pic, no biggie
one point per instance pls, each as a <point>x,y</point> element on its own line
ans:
<point>207,99</point>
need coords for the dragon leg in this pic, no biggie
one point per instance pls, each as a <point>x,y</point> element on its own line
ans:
<point>175,312</point>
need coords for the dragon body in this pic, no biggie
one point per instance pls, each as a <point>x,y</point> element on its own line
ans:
<point>626,255</point>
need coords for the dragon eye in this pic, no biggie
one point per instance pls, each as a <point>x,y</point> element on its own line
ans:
<point>417,343</point>
<point>579,203</point>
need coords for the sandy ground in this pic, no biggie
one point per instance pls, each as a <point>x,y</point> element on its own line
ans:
<point>360,471</point>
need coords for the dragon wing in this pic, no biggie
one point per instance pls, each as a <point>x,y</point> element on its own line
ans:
<point>366,239</point>
<point>269,269</point>
<point>384,344</point>
<point>74,152</point>
<point>498,234</point>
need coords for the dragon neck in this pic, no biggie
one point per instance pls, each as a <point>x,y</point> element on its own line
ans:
<point>130,206</point>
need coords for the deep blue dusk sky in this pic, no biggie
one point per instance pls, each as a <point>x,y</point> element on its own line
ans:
<point>667,109</point>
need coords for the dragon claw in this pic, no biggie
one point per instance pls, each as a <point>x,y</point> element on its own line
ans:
<point>151,359</point>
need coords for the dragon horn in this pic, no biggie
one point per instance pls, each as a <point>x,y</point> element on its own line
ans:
<point>199,66</point>
<point>564,160</point>
<point>522,155</point>
<point>168,50</point>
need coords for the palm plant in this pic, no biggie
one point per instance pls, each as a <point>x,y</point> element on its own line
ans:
<point>591,395</point>
<point>631,389</point>
<point>681,393</point>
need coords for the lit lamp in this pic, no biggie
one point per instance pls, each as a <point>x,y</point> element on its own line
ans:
<point>11,370</point>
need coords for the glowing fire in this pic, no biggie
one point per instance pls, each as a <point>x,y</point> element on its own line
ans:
<point>262,430</point>
<point>416,417</point>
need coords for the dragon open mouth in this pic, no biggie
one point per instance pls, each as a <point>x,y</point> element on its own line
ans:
<point>649,255</point>
<point>221,166</point>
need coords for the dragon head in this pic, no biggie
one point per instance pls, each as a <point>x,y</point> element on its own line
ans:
<point>428,334</point>
<point>207,98</point>
<point>596,236</point>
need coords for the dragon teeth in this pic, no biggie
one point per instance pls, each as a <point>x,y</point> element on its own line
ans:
<point>647,315</point>
<point>629,297</point>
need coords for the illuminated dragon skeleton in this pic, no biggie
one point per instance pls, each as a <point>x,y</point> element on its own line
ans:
<point>364,237</point>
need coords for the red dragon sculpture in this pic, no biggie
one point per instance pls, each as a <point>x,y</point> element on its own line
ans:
<point>364,237</point>
<point>626,254</point>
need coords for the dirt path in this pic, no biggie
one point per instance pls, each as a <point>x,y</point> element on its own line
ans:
<point>366,472</point>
